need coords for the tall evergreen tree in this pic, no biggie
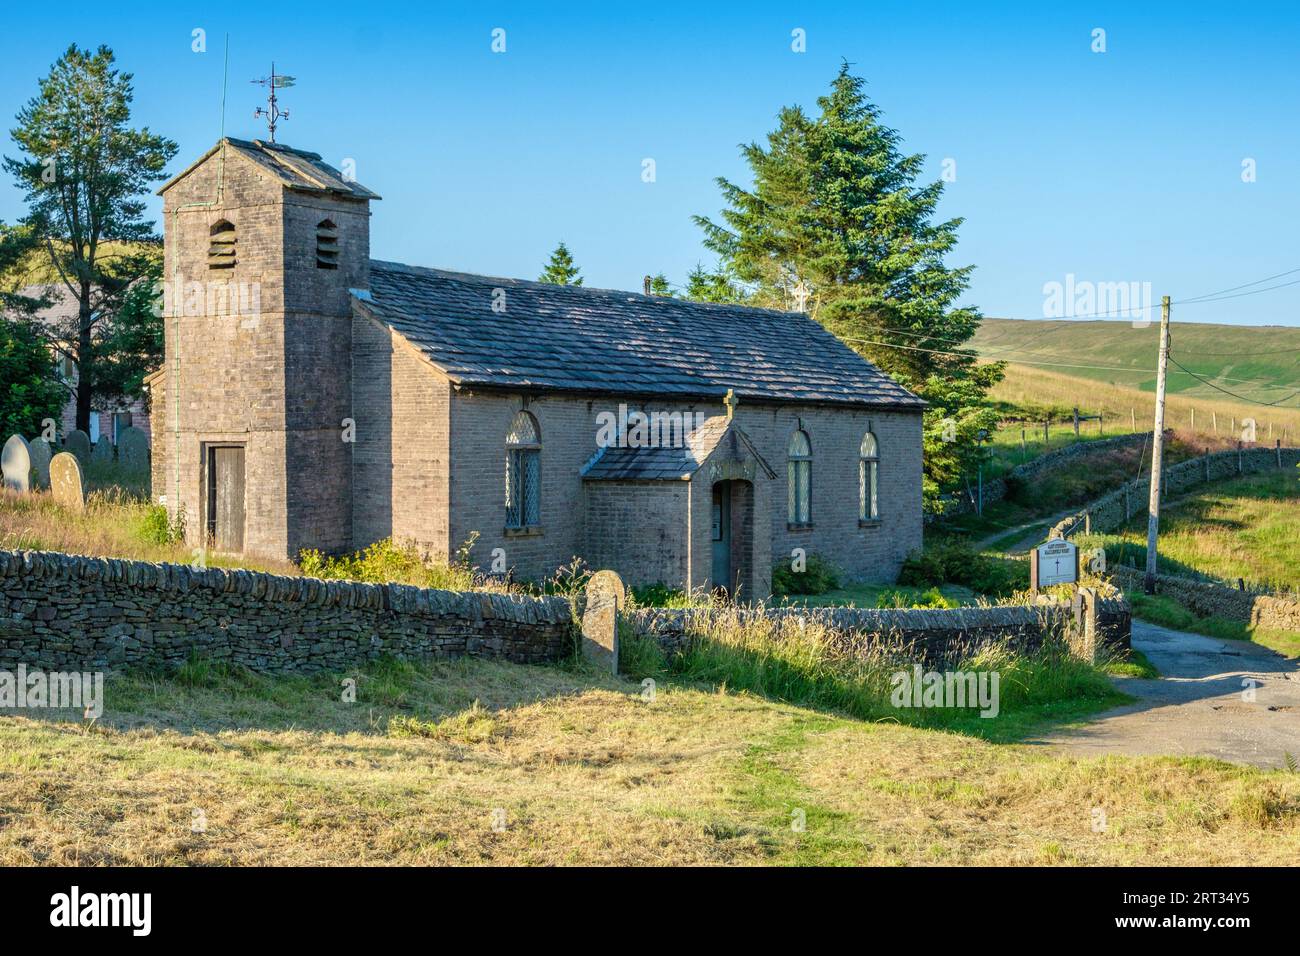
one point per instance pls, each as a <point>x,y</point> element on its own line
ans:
<point>561,270</point>
<point>83,173</point>
<point>838,219</point>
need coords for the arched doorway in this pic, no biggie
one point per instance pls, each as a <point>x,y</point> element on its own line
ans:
<point>732,533</point>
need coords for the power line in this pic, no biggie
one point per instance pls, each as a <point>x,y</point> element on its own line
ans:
<point>1243,398</point>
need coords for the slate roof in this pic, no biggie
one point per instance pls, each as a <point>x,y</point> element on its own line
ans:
<point>577,339</point>
<point>615,463</point>
<point>296,169</point>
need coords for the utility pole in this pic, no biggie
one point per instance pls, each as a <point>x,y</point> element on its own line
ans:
<point>1157,451</point>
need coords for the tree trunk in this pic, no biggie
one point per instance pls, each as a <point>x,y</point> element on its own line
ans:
<point>85,360</point>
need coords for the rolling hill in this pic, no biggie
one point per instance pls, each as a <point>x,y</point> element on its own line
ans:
<point>1232,373</point>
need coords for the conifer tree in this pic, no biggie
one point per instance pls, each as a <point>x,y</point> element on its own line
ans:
<point>561,270</point>
<point>839,219</point>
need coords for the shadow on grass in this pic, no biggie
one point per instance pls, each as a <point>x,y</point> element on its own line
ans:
<point>386,697</point>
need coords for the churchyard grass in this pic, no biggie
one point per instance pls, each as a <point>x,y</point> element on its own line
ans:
<point>475,762</point>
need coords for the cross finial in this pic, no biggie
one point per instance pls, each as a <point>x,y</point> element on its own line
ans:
<point>801,293</point>
<point>731,402</point>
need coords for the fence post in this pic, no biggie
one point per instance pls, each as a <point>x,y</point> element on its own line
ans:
<point>1207,463</point>
<point>1277,448</point>
<point>1132,418</point>
<point>1239,456</point>
<point>1076,421</point>
<point>1214,421</point>
<point>1045,438</point>
<point>1193,418</point>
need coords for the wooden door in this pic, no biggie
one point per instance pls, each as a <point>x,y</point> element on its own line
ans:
<point>226,497</point>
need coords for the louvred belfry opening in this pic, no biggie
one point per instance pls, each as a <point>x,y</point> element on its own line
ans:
<point>221,245</point>
<point>327,245</point>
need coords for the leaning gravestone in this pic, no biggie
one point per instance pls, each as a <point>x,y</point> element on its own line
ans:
<point>78,443</point>
<point>103,449</point>
<point>16,463</point>
<point>66,483</point>
<point>605,596</point>
<point>133,449</point>
<point>41,454</point>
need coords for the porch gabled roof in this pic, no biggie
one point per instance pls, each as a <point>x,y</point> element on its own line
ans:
<point>676,463</point>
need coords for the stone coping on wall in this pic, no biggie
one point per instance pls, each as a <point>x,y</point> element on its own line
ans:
<point>284,589</point>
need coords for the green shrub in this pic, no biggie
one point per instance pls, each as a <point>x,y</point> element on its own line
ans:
<point>901,599</point>
<point>817,577</point>
<point>388,561</point>
<point>157,527</point>
<point>955,561</point>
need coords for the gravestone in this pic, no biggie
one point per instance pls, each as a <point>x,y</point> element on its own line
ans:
<point>16,463</point>
<point>133,449</point>
<point>103,449</point>
<point>41,453</point>
<point>78,443</point>
<point>605,596</point>
<point>66,483</point>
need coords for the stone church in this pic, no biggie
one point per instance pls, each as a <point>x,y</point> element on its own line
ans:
<point>315,398</point>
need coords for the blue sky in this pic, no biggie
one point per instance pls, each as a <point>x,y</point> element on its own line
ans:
<point>1122,166</point>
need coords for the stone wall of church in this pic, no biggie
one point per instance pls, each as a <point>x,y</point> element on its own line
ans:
<point>639,529</point>
<point>871,550</point>
<point>401,405</point>
<point>258,354</point>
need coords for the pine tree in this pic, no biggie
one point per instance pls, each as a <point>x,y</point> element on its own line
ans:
<point>659,285</point>
<point>83,175</point>
<point>838,210</point>
<point>716,286</point>
<point>561,270</point>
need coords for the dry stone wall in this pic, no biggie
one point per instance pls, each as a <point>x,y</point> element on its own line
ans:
<point>1206,599</point>
<point>930,634</point>
<point>1114,510</point>
<point>65,612</point>
<point>996,489</point>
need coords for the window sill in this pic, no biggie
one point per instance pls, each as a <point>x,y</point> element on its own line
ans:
<point>531,531</point>
<point>868,522</point>
<point>798,526</point>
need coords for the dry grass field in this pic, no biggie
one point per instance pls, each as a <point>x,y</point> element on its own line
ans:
<point>482,763</point>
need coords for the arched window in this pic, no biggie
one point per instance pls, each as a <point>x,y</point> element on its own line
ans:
<point>221,245</point>
<point>869,478</point>
<point>327,245</point>
<point>523,473</point>
<point>800,475</point>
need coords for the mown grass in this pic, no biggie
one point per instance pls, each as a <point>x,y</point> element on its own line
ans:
<point>547,765</point>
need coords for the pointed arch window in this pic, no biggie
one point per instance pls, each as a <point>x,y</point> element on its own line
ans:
<point>869,478</point>
<point>222,239</point>
<point>327,245</point>
<point>523,472</point>
<point>799,470</point>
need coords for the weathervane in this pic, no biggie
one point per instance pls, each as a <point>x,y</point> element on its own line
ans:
<point>272,111</point>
